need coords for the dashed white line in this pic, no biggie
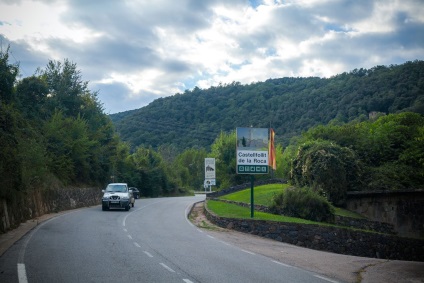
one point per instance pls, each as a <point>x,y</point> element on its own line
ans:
<point>187,281</point>
<point>137,245</point>
<point>167,267</point>
<point>148,254</point>
<point>326,279</point>
<point>22,273</point>
<point>130,237</point>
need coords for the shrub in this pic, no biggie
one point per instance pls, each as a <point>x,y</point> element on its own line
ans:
<point>303,203</point>
<point>327,167</point>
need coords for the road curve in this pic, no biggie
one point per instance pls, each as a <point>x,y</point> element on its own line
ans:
<point>153,242</point>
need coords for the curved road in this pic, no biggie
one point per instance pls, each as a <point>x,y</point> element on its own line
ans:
<point>153,242</point>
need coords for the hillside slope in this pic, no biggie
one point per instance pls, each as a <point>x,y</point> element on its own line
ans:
<point>289,105</point>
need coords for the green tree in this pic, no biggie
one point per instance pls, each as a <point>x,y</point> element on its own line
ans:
<point>189,167</point>
<point>149,164</point>
<point>69,147</point>
<point>66,87</point>
<point>327,168</point>
<point>8,74</point>
<point>31,94</point>
<point>224,152</point>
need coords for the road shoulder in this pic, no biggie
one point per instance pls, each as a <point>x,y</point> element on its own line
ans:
<point>340,267</point>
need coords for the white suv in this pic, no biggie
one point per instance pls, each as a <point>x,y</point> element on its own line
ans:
<point>117,195</point>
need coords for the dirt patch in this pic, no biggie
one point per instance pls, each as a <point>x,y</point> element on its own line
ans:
<point>198,218</point>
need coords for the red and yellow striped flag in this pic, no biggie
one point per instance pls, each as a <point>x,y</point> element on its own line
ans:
<point>271,150</point>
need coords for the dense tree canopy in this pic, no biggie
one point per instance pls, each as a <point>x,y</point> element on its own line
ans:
<point>289,105</point>
<point>385,154</point>
<point>53,130</point>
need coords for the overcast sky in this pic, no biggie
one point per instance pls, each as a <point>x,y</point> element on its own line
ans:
<point>133,52</point>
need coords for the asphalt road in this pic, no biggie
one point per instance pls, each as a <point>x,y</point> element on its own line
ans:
<point>153,242</point>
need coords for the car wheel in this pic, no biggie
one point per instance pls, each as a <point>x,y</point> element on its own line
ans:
<point>127,207</point>
<point>104,208</point>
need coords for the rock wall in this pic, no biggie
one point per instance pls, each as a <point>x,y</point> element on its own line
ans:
<point>363,224</point>
<point>32,204</point>
<point>328,238</point>
<point>402,209</point>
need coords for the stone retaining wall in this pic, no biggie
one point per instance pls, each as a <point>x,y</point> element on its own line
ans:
<point>363,224</point>
<point>32,204</point>
<point>328,238</point>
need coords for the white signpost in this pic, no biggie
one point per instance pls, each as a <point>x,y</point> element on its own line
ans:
<point>210,173</point>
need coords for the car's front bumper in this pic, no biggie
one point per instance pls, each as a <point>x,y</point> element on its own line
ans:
<point>115,203</point>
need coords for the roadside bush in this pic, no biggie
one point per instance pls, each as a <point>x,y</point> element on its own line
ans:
<point>324,166</point>
<point>303,203</point>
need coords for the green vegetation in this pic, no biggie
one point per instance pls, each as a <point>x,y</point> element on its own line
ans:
<point>269,195</point>
<point>303,203</point>
<point>235,211</point>
<point>262,194</point>
<point>53,131</point>
<point>385,154</point>
<point>347,213</point>
<point>290,105</point>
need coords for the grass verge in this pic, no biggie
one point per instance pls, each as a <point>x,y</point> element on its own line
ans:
<point>235,211</point>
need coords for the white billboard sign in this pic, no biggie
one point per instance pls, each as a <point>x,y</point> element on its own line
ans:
<point>210,168</point>
<point>252,150</point>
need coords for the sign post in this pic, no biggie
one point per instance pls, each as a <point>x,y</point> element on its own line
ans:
<point>210,173</point>
<point>252,155</point>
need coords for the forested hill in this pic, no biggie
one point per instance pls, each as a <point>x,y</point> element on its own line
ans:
<point>289,105</point>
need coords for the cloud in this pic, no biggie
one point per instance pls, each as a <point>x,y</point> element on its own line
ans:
<point>136,51</point>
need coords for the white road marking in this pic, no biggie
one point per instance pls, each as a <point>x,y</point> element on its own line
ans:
<point>167,267</point>
<point>187,281</point>
<point>129,213</point>
<point>280,263</point>
<point>22,273</point>
<point>130,237</point>
<point>212,237</point>
<point>137,245</point>
<point>248,252</point>
<point>148,254</point>
<point>225,243</point>
<point>326,279</point>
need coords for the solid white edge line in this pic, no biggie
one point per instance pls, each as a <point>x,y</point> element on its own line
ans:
<point>22,273</point>
<point>280,263</point>
<point>326,279</point>
<point>167,267</point>
<point>248,252</point>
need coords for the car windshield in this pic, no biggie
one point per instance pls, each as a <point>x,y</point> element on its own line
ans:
<point>116,188</point>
